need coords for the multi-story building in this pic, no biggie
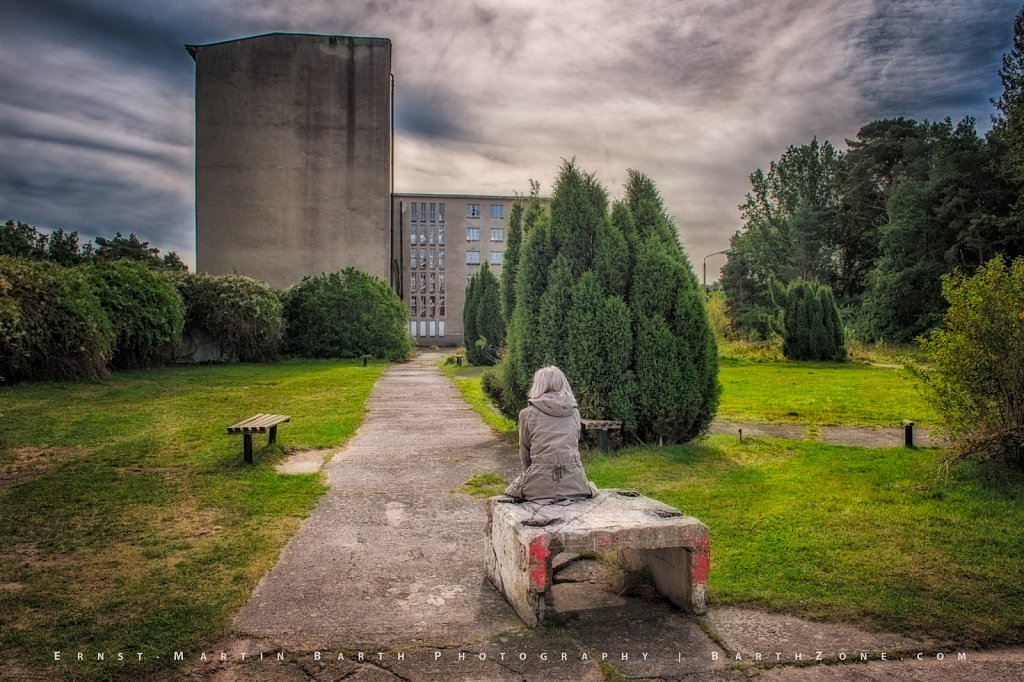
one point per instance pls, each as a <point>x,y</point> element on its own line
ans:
<point>293,156</point>
<point>441,241</point>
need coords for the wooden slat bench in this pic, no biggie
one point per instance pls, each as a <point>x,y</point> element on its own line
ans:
<point>602,426</point>
<point>260,423</point>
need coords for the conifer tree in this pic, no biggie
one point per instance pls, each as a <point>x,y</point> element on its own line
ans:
<point>513,240</point>
<point>810,323</point>
<point>485,328</point>
<point>469,316</point>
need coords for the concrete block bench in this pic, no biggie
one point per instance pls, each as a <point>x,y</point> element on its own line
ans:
<point>522,539</point>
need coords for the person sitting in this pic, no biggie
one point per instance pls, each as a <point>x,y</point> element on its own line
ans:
<point>549,437</point>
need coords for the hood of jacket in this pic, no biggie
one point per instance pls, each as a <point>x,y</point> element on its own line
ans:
<point>554,404</point>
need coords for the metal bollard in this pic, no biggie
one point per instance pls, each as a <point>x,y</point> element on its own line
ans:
<point>908,433</point>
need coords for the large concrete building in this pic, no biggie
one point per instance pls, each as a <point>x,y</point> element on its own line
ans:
<point>441,241</point>
<point>293,156</point>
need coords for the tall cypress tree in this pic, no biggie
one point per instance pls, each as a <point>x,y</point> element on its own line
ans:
<point>510,267</point>
<point>469,316</point>
<point>488,326</point>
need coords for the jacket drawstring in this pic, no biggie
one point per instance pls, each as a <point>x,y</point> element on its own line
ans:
<point>556,473</point>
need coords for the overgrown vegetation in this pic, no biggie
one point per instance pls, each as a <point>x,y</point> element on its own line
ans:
<point>242,314</point>
<point>128,521</point>
<point>611,298</point>
<point>344,315</point>
<point>144,309</point>
<point>52,325</point>
<point>976,379</point>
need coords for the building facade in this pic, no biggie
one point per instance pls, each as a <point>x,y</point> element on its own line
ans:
<point>441,241</point>
<point>294,156</point>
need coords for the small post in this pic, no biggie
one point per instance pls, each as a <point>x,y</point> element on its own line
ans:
<point>908,433</point>
<point>741,435</point>
<point>603,439</point>
<point>247,447</point>
<point>273,435</point>
<point>458,360</point>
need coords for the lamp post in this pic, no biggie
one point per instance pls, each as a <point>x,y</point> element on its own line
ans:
<point>716,253</point>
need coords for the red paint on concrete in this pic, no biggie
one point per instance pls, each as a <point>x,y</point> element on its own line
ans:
<point>700,561</point>
<point>539,561</point>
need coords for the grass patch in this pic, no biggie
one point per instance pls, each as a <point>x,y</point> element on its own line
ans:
<point>128,521</point>
<point>819,393</point>
<point>467,379</point>
<point>484,485</point>
<point>874,537</point>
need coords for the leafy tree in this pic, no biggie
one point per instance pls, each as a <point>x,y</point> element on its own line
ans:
<point>811,326</point>
<point>21,240</point>
<point>130,248</point>
<point>977,357</point>
<point>345,314</point>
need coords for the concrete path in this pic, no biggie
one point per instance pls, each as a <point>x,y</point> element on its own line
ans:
<point>385,581</point>
<point>860,436</point>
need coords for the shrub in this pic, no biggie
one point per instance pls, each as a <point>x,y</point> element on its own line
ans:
<point>344,315</point>
<point>811,326</point>
<point>242,314</point>
<point>52,325</point>
<point>144,309</point>
<point>612,299</point>
<point>484,326</point>
<point>977,355</point>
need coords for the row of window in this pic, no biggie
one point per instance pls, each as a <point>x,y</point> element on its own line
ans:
<point>434,235</point>
<point>426,259</point>
<point>473,257</point>
<point>434,211</point>
<point>473,234</point>
<point>418,211</point>
<point>426,328</point>
<point>432,306</point>
<point>426,282</point>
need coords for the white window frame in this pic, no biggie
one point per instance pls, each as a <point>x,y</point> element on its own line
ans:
<point>472,258</point>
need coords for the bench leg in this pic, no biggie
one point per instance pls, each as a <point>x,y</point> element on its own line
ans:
<point>273,436</point>
<point>364,362</point>
<point>247,447</point>
<point>603,439</point>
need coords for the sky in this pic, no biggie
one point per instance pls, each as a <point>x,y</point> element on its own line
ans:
<point>97,108</point>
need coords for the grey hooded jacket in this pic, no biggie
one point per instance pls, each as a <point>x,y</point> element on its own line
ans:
<point>549,436</point>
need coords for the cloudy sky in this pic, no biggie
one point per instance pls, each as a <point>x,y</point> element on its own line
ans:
<point>96,97</point>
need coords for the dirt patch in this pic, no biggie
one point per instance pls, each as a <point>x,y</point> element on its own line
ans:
<point>29,462</point>
<point>303,461</point>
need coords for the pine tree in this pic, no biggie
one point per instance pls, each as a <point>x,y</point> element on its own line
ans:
<point>469,316</point>
<point>810,323</point>
<point>510,267</point>
<point>490,327</point>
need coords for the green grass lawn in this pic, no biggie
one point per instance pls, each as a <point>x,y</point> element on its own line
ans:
<point>873,537</point>
<point>819,394</point>
<point>128,521</point>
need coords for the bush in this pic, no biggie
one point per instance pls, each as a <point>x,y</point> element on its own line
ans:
<point>811,326</point>
<point>344,315</point>
<point>977,383</point>
<point>144,309</point>
<point>242,314</point>
<point>612,299</point>
<point>52,325</point>
<point>483,323</point>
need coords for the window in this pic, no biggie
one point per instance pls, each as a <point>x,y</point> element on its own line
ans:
<point>472,258</point>
<point>440,265</point>
<point>472,210</point>
<point>433,259</point>
<point>423,327</point>
<point>497,210</point>
<point>440,309</point>
<point>440,236</point>
<point>412,310</point>
<point>414,213</point>
<point>497,234</point>
<point>423,282</point>
<point>440,282</point>
<point>433,234</point>
<point>440,212</point>
<point>413,237</point>
<point>496,257</point>
<point>472,234</point>
<point>433,328</point>
<point>433,283</point>
<point>423,210</point>
<point>412,286</point>
<point>412,259</point>
<point>423,306</point>
<point>433,307</point>
<point>440,328</point>
<point>423,233</point>
<point>423,257</point>
<point>433,211</point>
<point>412,327</point>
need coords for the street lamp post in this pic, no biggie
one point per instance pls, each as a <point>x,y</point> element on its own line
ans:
<point>716,253</point>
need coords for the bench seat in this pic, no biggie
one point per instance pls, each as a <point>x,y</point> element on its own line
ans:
<point>260,423</point>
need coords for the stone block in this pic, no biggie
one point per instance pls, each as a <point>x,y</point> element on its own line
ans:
<point>647,535</point>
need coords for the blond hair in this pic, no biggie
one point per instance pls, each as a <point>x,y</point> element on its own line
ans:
<point>550,379</point>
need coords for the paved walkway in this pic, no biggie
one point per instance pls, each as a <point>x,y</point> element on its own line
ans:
<point>385,581</point>
<point>860,436</point>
